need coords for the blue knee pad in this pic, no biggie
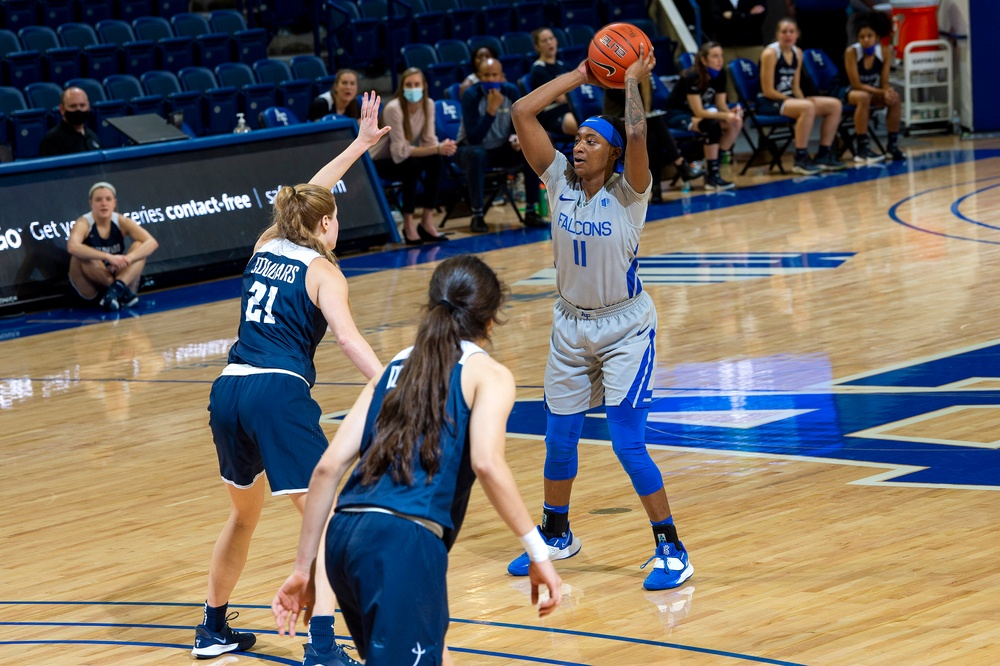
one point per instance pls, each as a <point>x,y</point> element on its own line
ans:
<point>628,439</point>
<point>562,438</point>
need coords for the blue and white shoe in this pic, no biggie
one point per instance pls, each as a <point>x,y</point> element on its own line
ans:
<point>560,548</point>
<point>336,657</point>
<point>670,568</point>
<point>208,644</point>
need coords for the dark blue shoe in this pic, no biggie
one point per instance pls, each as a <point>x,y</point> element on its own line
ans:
<point>335,657</point>
<point>208,644</point>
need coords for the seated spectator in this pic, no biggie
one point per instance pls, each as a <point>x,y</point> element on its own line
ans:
<point>866,64</point>
<point>342,98</point>
<point>71,135</point>
<point>486,138</point>
<point>100,265</point>
<point>698,104</point>
<point>781,94</point>
<point>660,145</point>
<point>481,54</point>
<point>557,118</point>
<point>411,153</point>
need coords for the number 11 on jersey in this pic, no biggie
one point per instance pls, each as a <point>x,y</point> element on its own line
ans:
<point>579,252</point>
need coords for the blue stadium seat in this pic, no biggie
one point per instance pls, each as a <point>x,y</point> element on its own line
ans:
<point>399,34</point>
<point>278,116</point>
<point>587,101</point>
<point>686,60</point>
<point>220,102</point>
<point>21,126</point>
<point>428,26</point>
<point>452,91</point>
<point>527,15</point>
<point>168,8</point>
<point>519,42</point>
<point>578,33</point>
<point>314,69</point>
<point>626,10</point>
<point>94,11</point>
<point>55,12</point>
<point>173,53</point>
<point>247,44</point>
<point>211,48</point>
<point>45,95</point>
<point>774,133</point>
<point>254,96</point>
<point>424,57</point>
<point>99,60</point>
<point>454,51</point>
<point>135,55</point>
<point>128,89</point>
<point>17,14</point>
<point>296,94</point>
<point>463,22</point>
<point>59,63</point>
<point>19,66</point>
<point>494,19</point>
<point>352,41</point>
<point>167,86</point>
<point>130,10</point>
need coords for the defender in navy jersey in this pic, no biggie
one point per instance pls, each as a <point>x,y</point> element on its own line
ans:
<point>602,347</point>
<point>866,66</point>
<point>100,264</point>
<point>263,418</point>
<point>434,421</point>
<point>781,94</point>
<point>698,103</point>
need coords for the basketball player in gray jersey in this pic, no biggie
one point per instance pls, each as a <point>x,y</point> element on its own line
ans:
<point>602,347</point>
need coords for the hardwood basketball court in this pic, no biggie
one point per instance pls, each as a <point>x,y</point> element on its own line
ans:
<point>826,419</point>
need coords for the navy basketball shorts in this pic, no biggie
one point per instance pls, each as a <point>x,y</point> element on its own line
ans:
<point>606,355</point>
<point>266,422</point>
<point>769,107</point>
<point>390,578</point>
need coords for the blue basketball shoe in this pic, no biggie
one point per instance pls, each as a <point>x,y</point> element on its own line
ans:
<point>670,569</point>
<point>560,548</point>
<point>208,643</point>
<point>335,657</point>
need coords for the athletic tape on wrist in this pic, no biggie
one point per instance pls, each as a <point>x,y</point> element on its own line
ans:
<point>535,546</point>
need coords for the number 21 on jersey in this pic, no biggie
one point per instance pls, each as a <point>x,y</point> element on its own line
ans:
<point>257,294</point>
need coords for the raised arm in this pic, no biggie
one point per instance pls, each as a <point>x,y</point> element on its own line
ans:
<point>297,592</point>
<point>636,157</point>
<point>368,135</point>
<point>534,140</point>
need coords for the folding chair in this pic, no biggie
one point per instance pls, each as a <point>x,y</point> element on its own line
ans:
<point>774,133</point>
<point>825,75</point>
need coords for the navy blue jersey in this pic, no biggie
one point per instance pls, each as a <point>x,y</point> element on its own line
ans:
<point>870,76</point>
<point>445,498</point>
<point>113,244</point>
<point>784,72</point>
<point>690,84</point>
<point>280,326</point>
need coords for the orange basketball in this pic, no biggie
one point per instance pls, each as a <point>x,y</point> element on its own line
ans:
<point>613,49</point>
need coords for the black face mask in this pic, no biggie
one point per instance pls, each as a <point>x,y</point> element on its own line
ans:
<point>76,118</point>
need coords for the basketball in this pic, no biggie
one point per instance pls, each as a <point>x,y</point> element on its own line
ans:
<point>613,49</point>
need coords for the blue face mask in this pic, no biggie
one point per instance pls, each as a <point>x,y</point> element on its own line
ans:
<point>413,94</point>
<point>869,50</point>
<point>490,85</point>
<point>712,73</point>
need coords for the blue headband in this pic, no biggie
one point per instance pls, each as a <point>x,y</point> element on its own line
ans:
<point>610,134</point>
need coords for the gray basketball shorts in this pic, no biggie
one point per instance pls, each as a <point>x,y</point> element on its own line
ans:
<point>600,355</point>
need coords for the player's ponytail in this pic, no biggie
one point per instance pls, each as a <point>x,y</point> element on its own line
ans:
<point>297,214</point>
<point>464,297</point>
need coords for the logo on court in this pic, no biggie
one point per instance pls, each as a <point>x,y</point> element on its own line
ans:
<point>684,268</point>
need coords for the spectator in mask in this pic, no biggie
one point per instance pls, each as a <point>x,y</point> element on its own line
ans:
<point>71,135</point>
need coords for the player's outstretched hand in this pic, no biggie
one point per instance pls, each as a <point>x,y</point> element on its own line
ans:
<point>543,573</point>
<point>368,130</point>
<point>642,68</point>
<point>295,595</point>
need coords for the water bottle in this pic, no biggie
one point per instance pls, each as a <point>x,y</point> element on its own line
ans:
<point>519,188</point>
<point>241,125</point>
<point>956,123</point>
<point>543,201</point>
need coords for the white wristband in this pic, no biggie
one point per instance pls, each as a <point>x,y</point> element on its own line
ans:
<point>535,546</point>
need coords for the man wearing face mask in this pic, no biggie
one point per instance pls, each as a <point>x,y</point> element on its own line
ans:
<point>487,139</point>
<point>71,135</point>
